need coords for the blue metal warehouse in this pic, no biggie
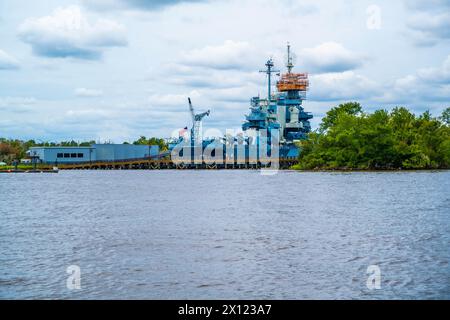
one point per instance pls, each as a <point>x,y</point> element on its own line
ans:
<point>96,152</point>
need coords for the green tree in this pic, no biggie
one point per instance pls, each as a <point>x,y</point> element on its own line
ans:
<point>141,141</point>
<point>152,142</point>
<point>445,117</point>
<point>350,138</point>
<point>351,108</point>
<point>87,143</point>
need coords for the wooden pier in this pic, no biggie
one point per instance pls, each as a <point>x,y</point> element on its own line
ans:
<point>166,164</point>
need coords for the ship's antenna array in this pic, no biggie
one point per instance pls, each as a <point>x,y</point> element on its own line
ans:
<point>269,71</point>
<point>292,81</point>
<point>290,62</point>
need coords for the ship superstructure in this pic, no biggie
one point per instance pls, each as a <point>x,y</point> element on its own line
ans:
<point>283,110</point>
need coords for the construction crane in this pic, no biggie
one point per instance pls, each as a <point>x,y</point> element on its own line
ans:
<point>196,122</point>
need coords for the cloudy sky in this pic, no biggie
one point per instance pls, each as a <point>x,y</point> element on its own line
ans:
<point>117,69</point>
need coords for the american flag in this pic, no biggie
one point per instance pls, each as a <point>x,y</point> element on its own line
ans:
<point>182,132</point>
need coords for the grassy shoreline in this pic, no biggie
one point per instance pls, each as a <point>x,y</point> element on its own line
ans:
<point>19,167</point>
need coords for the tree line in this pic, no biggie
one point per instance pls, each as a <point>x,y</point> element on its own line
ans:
<point>349,138</point>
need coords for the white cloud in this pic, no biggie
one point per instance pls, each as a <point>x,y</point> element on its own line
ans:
<point>427,5</point>
<point>429,21</point>
<point>172,100</point>
<point>330,57</point>
<point>230,55</point>
<point>436,75</point>
<point>103,4</point>
<point>236,94</point>
<point>16,101</point>
<point>342,86</point>
<point>427,29</point>
<point>8,62</point>
<point>205,78</point>
<point>229,65</point>
<point>133,4</point>
<point>433,84</point>
<point>16,105</point>
<point>68,33</point>
<point>84,92</point>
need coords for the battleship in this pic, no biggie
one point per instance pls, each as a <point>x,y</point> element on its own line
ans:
<point>276,121</point>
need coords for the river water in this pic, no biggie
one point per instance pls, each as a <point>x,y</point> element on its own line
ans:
<point>225,235</point>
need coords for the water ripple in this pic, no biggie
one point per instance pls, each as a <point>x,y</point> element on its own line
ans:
<point>225,234</point>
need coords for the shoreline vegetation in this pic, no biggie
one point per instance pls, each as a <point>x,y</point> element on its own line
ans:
<point>348,139</point>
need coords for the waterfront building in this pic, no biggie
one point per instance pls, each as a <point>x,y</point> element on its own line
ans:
<point>95,152</point>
